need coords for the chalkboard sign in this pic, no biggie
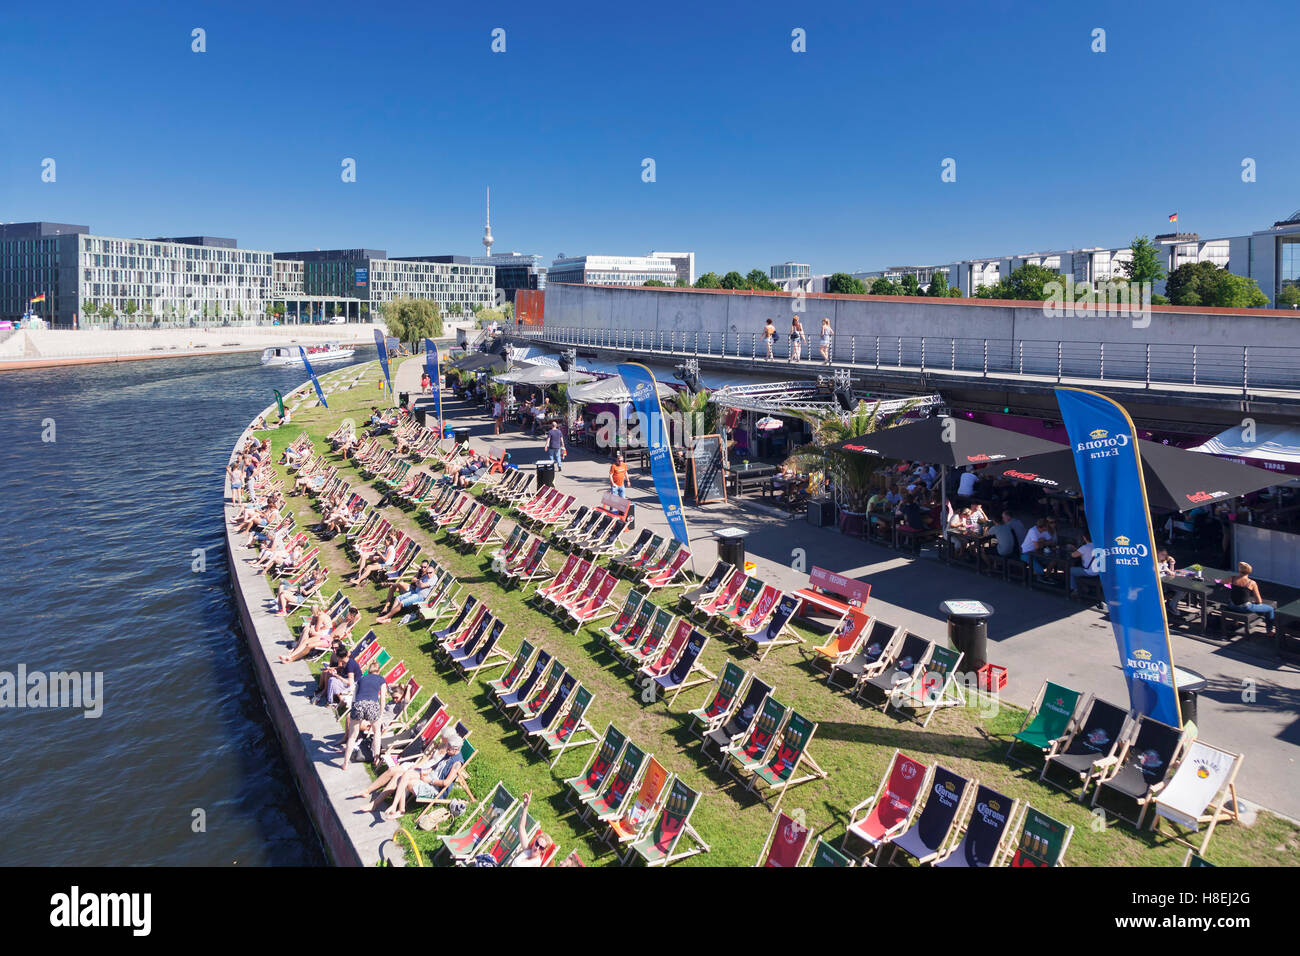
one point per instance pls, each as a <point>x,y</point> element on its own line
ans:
<point>708,469</point>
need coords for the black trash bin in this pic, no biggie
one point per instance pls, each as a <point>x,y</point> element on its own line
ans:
<point>421,414</point>
<point>404,398</point>
<point>460,435</point>
<point>546,474</point>
<point>1190,684</point>
<point>968,631</point>
<point>731,546</point>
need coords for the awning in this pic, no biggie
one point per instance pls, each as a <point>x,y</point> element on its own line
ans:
<point>948,441</point>
<point>540,375</point>
<point>610,391</point>
<point>1176,479</point>
<point>790,398</point>
<point>1273,447</point>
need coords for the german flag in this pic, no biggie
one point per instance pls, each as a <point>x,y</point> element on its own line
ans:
<point>1173,217</point>
<point>39,298</point>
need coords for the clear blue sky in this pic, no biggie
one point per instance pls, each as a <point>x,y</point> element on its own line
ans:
<point>830,156</point>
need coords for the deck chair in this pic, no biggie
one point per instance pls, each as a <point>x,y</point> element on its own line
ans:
<point>708,589</point>
<point>1048,721</point>
<point>1098,736</point>
<point>669,576</point>
<point>717,707</point>
<point>932,687</point>
<point>889,811</point>
<point>617,561</point>
<point>479,824</point>
<point>535,726</point>
<point>668,652</point>
<point>762,608</point>
<point>631,604</point>
<point>882,641</point>
<point>1195,860</point>
<point>518,665</point>
<point>533,705</point>
<point>750,752</point>
<point>785,843</point>
<point>1202,790</point>
<point>596,607</point>
<point>533,570</point>
<point>649,648</point>
<point>778,632</point>
<point>1043,840</point>
<point>659,846</point>
<point>517,828</point>
<point>824,854</point>
<point>736,611</point>
<point>470,662</point>
<point>646,557</point>
<point>926,838</point>
<point>516,695</point>
<point>729,731</point>
<point>984,836</point>
<point>626,824</point>
<point>724,598</point>
<point>587,784</point>
<point>788,757</point>
<point>632,635</point>
<point>614,794</point>
<point>913,653</point>
<point>1139,771</point>
<point>573,730</point>
<point>687,671</point>
<point>842,645</point>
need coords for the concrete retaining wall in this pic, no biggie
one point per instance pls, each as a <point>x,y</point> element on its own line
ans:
<point>38,344</point>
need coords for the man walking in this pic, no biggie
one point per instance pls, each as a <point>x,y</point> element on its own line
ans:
<point>555,444</point>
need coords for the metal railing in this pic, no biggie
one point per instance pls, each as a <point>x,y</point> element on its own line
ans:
<point>1236,367</point>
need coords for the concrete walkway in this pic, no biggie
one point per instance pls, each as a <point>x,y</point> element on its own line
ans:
<point>1250,705</point>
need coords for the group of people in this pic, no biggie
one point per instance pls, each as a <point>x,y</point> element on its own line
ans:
<point>797,339</point>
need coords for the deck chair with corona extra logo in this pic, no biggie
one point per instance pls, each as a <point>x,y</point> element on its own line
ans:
<point>614,794</point>
<point>929,833</point>
<point>658,847</point>
<point>587,784</point>
<point>1098,735</point>
<point>932,687</point>
<point>889,811</point>
<point>573,729</point>
<point>983,837</point>
<point>717,707</point>
<point>1048,721</point>
<point>726,733</point>
<point>1202,790</point>
<point>843,644</point>
<point>790,755</point>
<point>777,632</point>
<point>1042,841</point>
<point>1138,772</point>
<point>687,671</point>
<point>479,824</point>
<point>785,843</point>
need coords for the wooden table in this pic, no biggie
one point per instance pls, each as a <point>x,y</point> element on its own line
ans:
<point>741,477</point>
<point>1199,590</point>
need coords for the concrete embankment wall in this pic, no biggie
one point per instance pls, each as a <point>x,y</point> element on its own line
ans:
<point>305,730</point>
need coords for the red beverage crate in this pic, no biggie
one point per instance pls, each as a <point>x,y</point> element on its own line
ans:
<point>992,677</point>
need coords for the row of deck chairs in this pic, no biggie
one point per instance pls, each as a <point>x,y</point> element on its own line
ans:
<point>759,740</point>
<point>1139,765</point>
<point>497,829</point>
<point>635,803</point>
<point>581,592</point>
<point>467,523</point>
<point>546,508</point>
<point>756,615</point>
<point>663,650</point>
<point>592,533</point>
<point>512,485</point>
<point>378,534</point>
<point>653,562</point>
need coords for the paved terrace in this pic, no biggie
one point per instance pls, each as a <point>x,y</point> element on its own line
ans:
<point>1036,635</point>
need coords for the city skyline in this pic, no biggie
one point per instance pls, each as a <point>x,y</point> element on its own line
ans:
<point>745,179</point>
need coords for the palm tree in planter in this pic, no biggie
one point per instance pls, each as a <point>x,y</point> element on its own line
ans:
<point>699,416</point>
<point>848,473</point>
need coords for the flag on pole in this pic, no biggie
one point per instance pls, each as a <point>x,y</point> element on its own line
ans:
<point>431,366</point>
<point>279,401</point>
<point>640,382</point>
<point>382,346</point>
<point>38,298</point>
<point>316,383</point>
<point>1173,217</point>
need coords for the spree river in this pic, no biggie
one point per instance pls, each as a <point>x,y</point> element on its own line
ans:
<point>111,478</point>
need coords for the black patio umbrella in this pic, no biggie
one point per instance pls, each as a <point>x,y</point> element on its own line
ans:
<point>477,361</point>
<point>1176,479</point>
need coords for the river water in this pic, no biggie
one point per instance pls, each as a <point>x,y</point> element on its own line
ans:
<point>111,477</point>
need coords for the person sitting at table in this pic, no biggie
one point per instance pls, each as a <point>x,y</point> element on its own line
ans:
<point>958,528</point>
<point>878,501</point>
<point>1036,548</point>
<point>978,518</point>
<point>1246,596</point>
<point>1004,533</point>
<point>1089,561</point>
<point>1017,527</point>
<point>912,514</point>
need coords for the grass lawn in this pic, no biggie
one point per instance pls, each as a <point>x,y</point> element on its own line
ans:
<point>853,743</point>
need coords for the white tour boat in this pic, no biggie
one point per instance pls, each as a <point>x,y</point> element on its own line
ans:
<point>316,354</point>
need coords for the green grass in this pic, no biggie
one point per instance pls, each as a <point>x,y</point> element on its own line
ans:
<point>853,743</point>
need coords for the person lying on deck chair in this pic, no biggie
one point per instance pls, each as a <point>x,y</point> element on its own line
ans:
<point>535,852</point>
<point>279,558</point>
<point>299,594</point>
<point>386,782</point>
<point>415,592</point>
<point>474,468</point>
<point>380,559</point>
<point>315,640</point>
<point>431,778</point>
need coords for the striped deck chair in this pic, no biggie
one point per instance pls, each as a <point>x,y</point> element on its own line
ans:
<point>718,706</point>
<point>516,695</point>
<point>660,628</point>
<point>587,784</point>
<point>841,646</point>
<point>889,811</point>
<point>659,846</point>
<point>1043,840</point>
<point>777,632</point>
<point>670,575</point>
<point>929,833</point>
<point>549,715</point>
<point>614,794</point>
<point>785,843</point>
<point>983,837</point>
<point>750,752</point>
<point>1048,720</point>
<point>788,757</point>
<point>686,671</point>
<point>625,825</point>
<point>620,624</point>
<point>932,687</point>
<point>518,665</point>
<point>531,705</point>
<point>573,730</point>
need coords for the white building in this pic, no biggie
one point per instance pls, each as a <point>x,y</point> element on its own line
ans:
<point>611,270</point>
<point>790,270</point>
<point>683,262</point>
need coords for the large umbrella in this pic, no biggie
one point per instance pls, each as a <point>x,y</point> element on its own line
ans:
<point>1176,479</point>
<point>476,361</point>
<point>611,391</point>
<point>947,442</point>
<point>542,375</point>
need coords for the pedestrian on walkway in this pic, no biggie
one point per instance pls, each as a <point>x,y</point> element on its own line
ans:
<point>498,414</point>
<point>769,337</point>
<point>826,339</point>
<point>618,476</point>
<point>555,445</point>
<point>796,338</point>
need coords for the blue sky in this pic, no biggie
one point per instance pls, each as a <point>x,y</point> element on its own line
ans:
<point>830,156</point>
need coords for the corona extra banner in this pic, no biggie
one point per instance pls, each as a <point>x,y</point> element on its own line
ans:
<point>432,362</point>
<point>382,346</point>
<point>641,383</point>
<point>314,381</point>
<point>1106,458</point>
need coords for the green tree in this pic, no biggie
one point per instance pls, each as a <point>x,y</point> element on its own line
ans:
<point>655,282</point>
<point>910,285</point>
<point>841,283</point>
<point>757,279</point>
<point>850,473</point>
<point>733,280</point>
<point>130,308</point>
<point>1204,284</point>
<point>710,280</point>
<point>1145,265</point>
<point>938,283</point>
<point>1289,297</point>
<point>106,310</point>
<point>1239,292</point>
<point>682,283</point>
<point>412,319</point>
<point>954,292</point>
<point>1028,282</point>
<point>883,286</point>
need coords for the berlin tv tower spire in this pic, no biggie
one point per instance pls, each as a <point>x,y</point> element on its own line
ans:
<point>487,227</point>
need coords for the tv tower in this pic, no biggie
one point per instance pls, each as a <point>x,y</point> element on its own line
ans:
<point>487,227</point>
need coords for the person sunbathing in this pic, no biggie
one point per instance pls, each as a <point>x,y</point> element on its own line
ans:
<point>339,676</point>
<point>318,638</point>
<point>414,593</point>
<point>386,782</point>
<point>430,779</point>
<point>295,595</point>
<point>377,561</point>
<point>278,557</point>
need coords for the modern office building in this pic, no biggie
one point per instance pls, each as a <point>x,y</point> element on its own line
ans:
<point>514,271</point>
<point>611,270</point>
<point>790,270</point>
<point>1270,256</point>
<point>924,274</point>
<point>683,262</point>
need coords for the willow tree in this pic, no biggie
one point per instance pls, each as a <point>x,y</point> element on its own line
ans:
<point>410,320</point>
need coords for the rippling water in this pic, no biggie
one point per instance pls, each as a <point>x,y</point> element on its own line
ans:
<point>97,543</point>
